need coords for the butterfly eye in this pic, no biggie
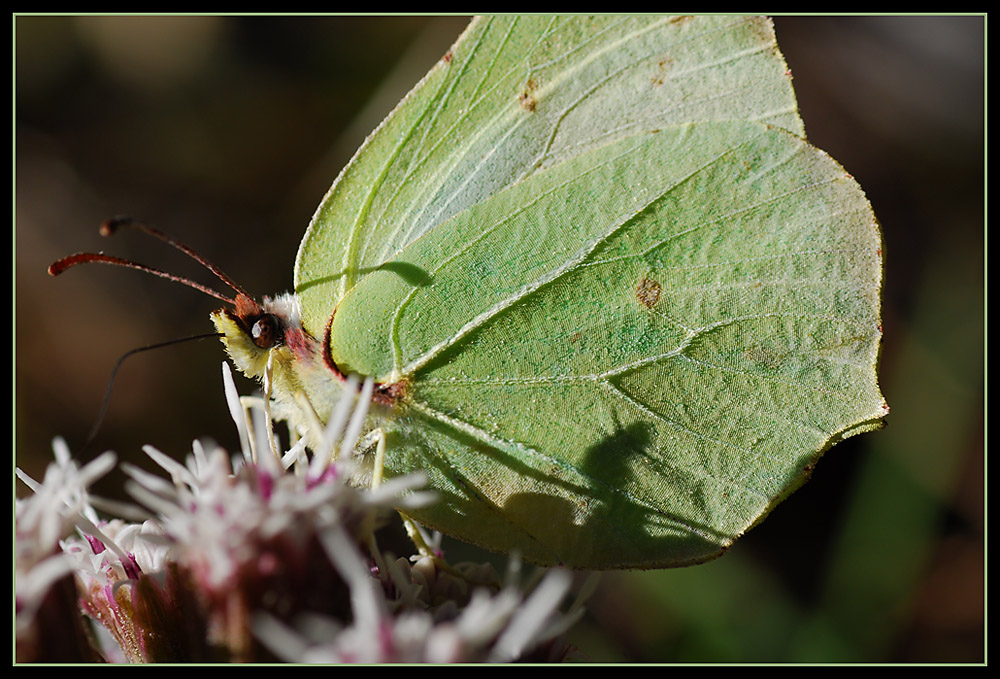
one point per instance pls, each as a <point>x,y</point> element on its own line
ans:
<point>265,331</point>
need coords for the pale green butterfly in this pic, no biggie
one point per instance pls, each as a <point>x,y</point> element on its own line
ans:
<point>616,306</point>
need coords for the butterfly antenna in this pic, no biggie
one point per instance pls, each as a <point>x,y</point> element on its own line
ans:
<point>114,374</point>
<point>111,226</point>
<point>58,267</point>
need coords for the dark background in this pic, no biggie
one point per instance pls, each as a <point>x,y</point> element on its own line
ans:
<point>227,132</point>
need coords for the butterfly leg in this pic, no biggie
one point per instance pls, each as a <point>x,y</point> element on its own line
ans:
<point>417,536</point>
<point>379,466</point>
<point>268,382</point>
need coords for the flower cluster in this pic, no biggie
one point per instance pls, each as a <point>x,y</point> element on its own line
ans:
<point>244,560</point>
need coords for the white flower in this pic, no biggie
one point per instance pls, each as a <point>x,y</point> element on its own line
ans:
<point>240,550</point>
<point>58,503</point>
<point>500,626</point>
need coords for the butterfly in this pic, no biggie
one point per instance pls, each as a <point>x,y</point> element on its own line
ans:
<point>615,306</point>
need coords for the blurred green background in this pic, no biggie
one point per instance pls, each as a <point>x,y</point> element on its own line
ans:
<point>227,132</point>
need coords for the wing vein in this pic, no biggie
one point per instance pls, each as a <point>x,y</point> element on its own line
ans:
<point>533,286</point>
<point>513,447</point>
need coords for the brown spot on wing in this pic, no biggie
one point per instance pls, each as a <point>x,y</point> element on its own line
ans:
<point>659,74</point>
<point>525,98</point>
<point>648,292</point>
